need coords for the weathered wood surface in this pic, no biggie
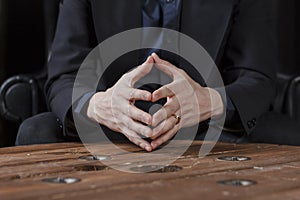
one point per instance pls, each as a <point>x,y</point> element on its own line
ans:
<point>276,169</point>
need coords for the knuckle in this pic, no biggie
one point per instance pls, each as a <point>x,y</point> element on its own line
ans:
<point>130,136</point>
<point>125,123</point>
<point>144,131</point>
<point>131,139</point>
<point>132,94</point>
<point>118,122</point>
<point>128,110</point>
<point>141,130</point>
<point>180,70</point>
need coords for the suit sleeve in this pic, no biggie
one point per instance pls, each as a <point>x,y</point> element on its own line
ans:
<point>74,40</point>
<point>250,59</point>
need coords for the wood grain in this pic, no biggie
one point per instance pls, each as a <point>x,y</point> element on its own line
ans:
<point>276,169</point>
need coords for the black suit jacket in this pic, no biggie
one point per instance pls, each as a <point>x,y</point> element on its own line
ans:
<point>238,34</point>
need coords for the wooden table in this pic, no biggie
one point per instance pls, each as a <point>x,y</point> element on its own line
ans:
<point>274,170</point>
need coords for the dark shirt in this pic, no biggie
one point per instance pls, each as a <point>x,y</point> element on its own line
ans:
<point>162,13</point>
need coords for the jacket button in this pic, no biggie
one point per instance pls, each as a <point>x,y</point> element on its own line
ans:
<point>250,124</point>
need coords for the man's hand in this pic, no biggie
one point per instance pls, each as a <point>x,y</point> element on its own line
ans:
<point>185,98</point>
<point>115,108</point>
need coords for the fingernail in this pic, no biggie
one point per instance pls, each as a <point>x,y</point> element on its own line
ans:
<point>154,145</point>
<point>148,148</point>
<point>149,121</point>
<point>153,96</point>
<point>152,124</point>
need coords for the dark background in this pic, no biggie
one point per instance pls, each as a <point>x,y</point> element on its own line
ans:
<point>288,35</point>
<point>23,45</point>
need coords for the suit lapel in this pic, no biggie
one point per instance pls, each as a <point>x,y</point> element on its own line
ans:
<point>115,16</point>
<point>207,22</point>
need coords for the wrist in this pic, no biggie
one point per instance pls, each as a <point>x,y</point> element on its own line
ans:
<point>217,104</point>
<point>90,108</point>
<point>91,111</point>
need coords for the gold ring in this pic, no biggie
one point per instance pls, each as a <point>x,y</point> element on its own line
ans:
<point>177,117</point>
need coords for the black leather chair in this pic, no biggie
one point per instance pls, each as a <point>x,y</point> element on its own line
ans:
<point>288,96</point>
<point>22,96</point>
